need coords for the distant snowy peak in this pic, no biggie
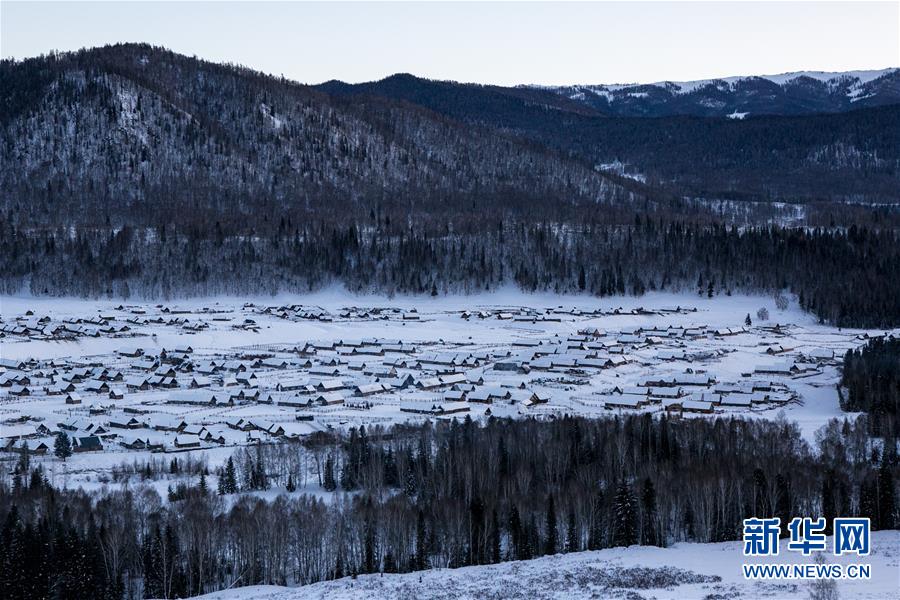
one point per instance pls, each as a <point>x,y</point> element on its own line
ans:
<point>856,77</point>
<point>800,92</point>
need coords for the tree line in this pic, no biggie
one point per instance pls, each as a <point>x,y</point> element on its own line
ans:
<point>377,255</point>
<point>442,495</point>
<point>870,383</point>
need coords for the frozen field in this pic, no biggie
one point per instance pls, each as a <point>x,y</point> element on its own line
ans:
<point>682,572</point>
<point>127,379</point>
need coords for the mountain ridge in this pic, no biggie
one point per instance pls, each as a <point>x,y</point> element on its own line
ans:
<point>131,132</point>
<point>864,75</point>
<point>797,93</point>
<point>133,169</point>
<point>791,93</point>
<point>151,127</point>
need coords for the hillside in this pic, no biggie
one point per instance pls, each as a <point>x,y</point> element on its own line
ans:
<point>781,155</point>
<point>684,572</point>
<point>137,135</point>
<point>133,133</point>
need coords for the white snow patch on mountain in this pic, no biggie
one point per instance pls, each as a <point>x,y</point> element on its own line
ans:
<point>863,77</point>
<point>620,168</point>
<point>860,78</point>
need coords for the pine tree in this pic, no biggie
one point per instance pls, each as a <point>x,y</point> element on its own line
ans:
<point>177,580</point>
<point>476,529</point>
<point>665,447</point>
<point>259,477</point>
<point>504,460</point>
<point>203,489</point>
<point>747,320</point>
<point>339,566</point>
<point>62,447</point>
<point>515,534</point>
<point>595,531</point>
<point>532,539</point>
<point>868,503</point>
<point>328,482</point>
<point>154,571</point>
<point>421,558</point>
<point>886,500</point>
<point>348,482</point>
<point>495,537</point>
<point>37,479</point>
<point>760,485</point>
<point>551,539</point>
<point>230,478</point>
<point>391,475</point>
<point>369,555</point>
<point>572,542</point>
<point>390,564</point>
<point>649,533</point>
<point>24,464</point>
<point>828,505</point>
<point>290,487</point>
<point>625,516</point>
<point>783,502</point>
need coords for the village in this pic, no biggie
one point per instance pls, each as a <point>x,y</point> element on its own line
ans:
<point>134,378</point>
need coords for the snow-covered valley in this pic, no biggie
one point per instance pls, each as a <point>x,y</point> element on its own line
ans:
<point>203,377</point>
<point>157,398</point>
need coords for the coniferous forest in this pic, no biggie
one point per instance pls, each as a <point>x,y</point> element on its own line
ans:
<point>133,171</point>
<point>447,495</point>
<point>871,383</point>
<point>593,259</point>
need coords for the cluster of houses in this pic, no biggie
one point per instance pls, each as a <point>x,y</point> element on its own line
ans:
<point>695,393</point>
<point>149,431</point>
<point>297,312</point>
<point>122,322</point>
<point>144,398</point>
<point>46,328</point>
<point>39,438</point>
<point>556,314</point>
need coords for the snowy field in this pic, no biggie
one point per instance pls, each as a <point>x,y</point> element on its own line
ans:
<point>682,572</point>
<point>131,380</point>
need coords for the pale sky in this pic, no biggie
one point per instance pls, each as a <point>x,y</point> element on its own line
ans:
<point>502,42</point>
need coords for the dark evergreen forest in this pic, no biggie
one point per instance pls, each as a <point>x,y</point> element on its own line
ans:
<point>846,277</point>
<point>447,495</point>
<point>871,383</point>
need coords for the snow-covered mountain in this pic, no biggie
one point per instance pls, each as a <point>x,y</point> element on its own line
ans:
<point>123,131</point>
<point>797,93</point>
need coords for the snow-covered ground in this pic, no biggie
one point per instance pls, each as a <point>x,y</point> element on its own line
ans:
<point>682,572</point>
<point>533,355</point>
